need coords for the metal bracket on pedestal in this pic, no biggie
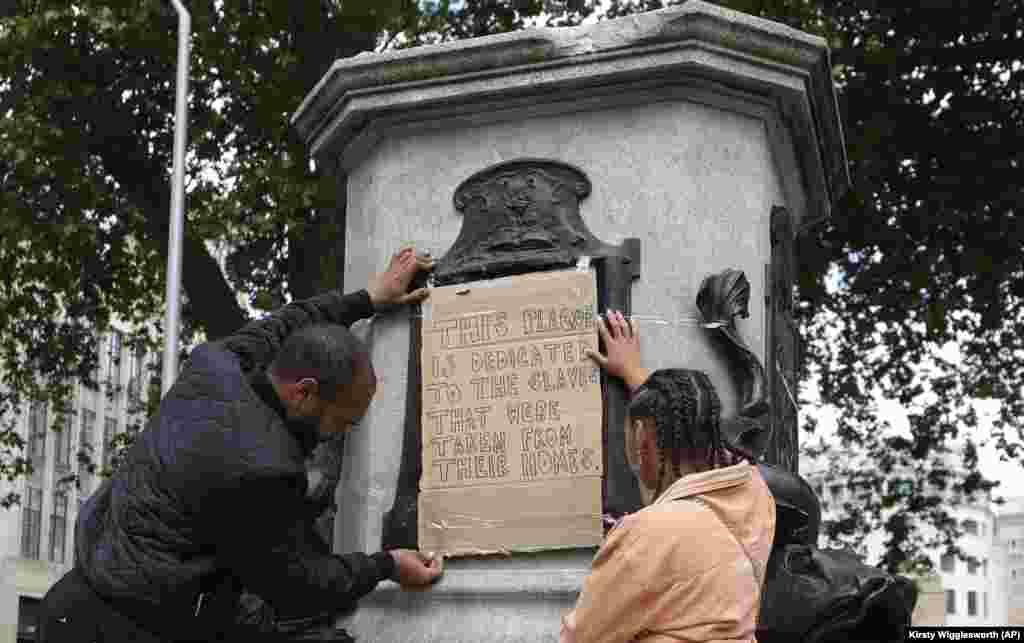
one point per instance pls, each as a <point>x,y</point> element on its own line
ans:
<point>783,357</point>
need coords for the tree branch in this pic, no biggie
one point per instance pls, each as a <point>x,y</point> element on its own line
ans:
<point>215,307</point>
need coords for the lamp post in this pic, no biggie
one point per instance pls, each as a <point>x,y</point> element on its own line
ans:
<point>172,321</point>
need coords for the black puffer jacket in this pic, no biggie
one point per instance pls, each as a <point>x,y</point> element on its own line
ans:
<point>214,488</point>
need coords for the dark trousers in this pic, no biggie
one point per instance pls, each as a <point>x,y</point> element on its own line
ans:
<point>71,612</point>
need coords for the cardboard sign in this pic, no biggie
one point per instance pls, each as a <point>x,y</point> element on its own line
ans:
<point>511,416</point>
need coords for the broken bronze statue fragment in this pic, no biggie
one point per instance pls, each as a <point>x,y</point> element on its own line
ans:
<point>810,595</point>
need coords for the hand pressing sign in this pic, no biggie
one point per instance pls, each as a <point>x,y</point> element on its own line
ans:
<point>391,287</point>
<point>414,569</point>
<point>622,344</point>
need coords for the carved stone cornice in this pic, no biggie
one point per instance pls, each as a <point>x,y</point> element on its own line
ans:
<point>363,98</point>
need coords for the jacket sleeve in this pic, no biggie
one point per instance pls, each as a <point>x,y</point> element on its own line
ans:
<point>257,342</point>
<point>263,533</point>
<point>612,607</point>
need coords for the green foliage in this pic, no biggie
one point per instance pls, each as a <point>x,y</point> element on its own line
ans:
<point>87,97</point>
<point>924,254</point>
<point>927,245</point>
<point>926,250</point>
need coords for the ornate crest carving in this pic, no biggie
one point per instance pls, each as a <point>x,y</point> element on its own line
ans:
<point>520,216</point>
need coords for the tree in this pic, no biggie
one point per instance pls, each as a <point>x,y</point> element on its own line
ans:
<point>85,153</point>
<point>926,247</point>
<point>911,292</point>
<point>87,94</point>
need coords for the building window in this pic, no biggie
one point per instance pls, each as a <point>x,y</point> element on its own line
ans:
<point>972,603</point>
<point>1013,573</point>
<point>85,450</point>
<point>28,619</point>
<point>984,568</point>
<point>95,375</point>
<point>950,601</point>
<point>972,567</point>
<point>109,429</point>
<point>37,433</point>
<point>971,527</point>
<point>948,563</point>
<point>984,604</point>
<point>138,363</point>
<point>113,375</point>
<point>31,523</point>
<point>62,446</point>
<point>58,526</point>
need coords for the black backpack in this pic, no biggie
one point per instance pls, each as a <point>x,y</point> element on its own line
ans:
<point>823,596</point>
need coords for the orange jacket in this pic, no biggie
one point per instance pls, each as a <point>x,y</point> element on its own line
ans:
<point>689,567</point>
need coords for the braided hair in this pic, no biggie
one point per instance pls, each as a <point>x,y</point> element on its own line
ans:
<point>686,410</point>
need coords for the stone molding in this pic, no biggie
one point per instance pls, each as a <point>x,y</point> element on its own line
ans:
<point>360,98</point>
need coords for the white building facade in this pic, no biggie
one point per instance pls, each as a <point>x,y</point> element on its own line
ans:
<point>1011,538</point>
<point>37,537</point>
<point>973,592</point>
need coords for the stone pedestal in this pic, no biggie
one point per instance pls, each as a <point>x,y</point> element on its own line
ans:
<point>499,599</point>
<point>693,125</point>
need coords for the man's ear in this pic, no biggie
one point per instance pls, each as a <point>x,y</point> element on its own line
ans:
<point>308,387</point>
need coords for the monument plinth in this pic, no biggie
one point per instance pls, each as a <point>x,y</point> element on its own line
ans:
<point>654,151</point>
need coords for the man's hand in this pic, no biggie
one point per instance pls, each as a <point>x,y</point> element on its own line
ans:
<point>388,289</point>
<point>623,345</point>
<point>415,569</point>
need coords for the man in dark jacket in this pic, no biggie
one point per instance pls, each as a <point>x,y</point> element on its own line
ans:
<point>211,497</point>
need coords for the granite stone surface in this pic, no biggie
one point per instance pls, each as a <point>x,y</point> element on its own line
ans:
<point>694,183</point>
<point>691,124</point>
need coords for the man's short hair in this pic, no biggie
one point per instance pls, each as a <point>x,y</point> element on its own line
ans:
<point>328,353</point>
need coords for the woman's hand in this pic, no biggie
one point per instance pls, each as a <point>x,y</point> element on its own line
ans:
<point>622,344</point>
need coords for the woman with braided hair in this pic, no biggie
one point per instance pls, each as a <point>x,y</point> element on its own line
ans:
<point>690,565</point>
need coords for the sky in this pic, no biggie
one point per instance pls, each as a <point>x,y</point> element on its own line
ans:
<point>1009,473</point>
<point>453,5</point>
